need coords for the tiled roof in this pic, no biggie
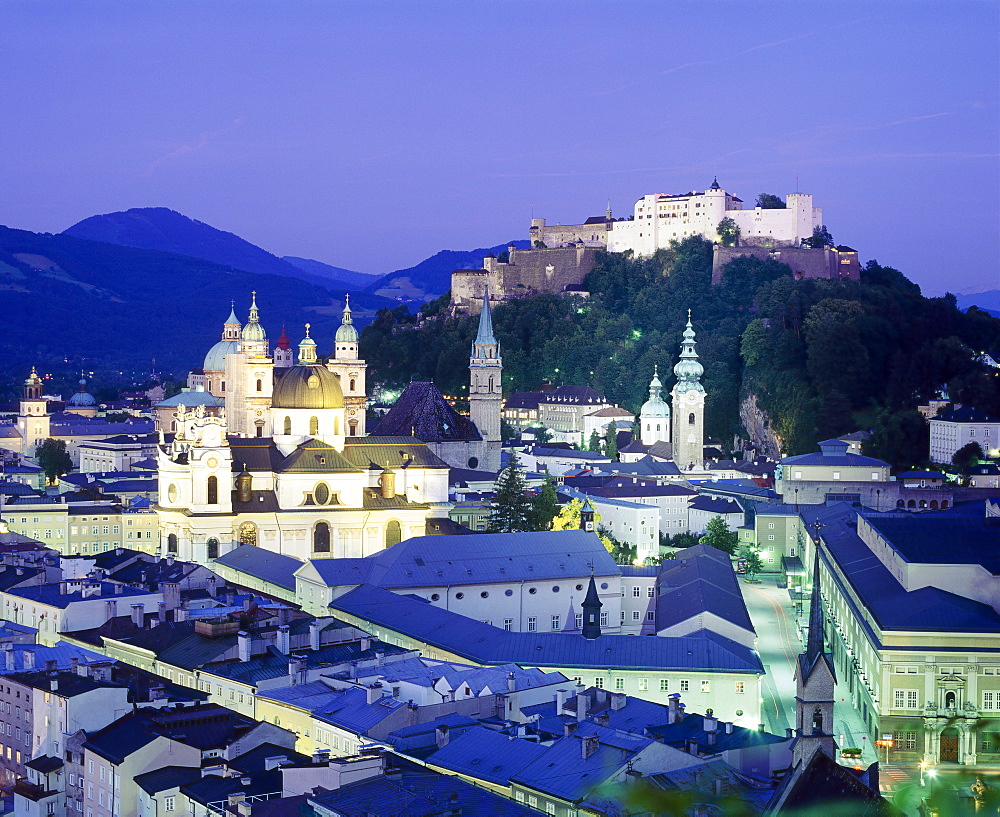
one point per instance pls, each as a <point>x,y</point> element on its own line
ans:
<point>275,568</point>
<point>699,580</point>
<point>429,561</point>
<point>394,451</point>
<point>421,411</point>
<point>486,755</point>
<point>316,457</point>
<point>485,644</point>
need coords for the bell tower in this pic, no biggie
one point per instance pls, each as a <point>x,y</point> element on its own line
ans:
<point>689,406</point>
<point>351,371</point>
<point>33,422</point>
<point>485,392</point>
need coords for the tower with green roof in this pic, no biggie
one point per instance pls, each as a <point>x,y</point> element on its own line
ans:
<point>689,405</point>
<point>351,370</point>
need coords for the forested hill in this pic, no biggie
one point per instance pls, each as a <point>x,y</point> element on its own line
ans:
<point>821,357</point>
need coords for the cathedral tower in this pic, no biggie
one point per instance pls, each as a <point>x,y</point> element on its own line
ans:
<point>689,406</point>
<point>34,420</point>
<point>351,371</point>
<point>815,680</point>
<point>654,417</point>
<point>249,380</point>
<point>283,355</point>
<point>485,392</point>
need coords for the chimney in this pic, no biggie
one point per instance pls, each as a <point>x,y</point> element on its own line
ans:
<point>29,659</point>
<point>74,665</point>
<point>161,613</point>
<point>274,762</point>
<point>373,693</point>
<point>138,615</point>
<point>211,586</point>
<point>54,684</point>
<point>729,728</point>
<point>618,700</point>
<point>247,601</point>
<point>171,595</point>
<point>296,670</point>
<point>589,745</point>
<point>243,646</point>
<point>559,701</point>
<point>692,746</point>
<point>673,704</point>
<point>315,626</point>
<point>582,702</point>
<point>9,651</point>
<point>603,719</point>
<point>569,728</point>
<point>711,726</point>
<point>51,665</point>
<point>788,733</point>
<point>760,727</point>
<point>511,682</point>
<point>180,614</point>
<point>110,609</point>
<point>441,736</point>
<point>284,639</point>
<point>366,643</point>
<point>170,560</point>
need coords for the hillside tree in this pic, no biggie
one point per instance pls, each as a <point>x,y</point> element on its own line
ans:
<point>769,201</point>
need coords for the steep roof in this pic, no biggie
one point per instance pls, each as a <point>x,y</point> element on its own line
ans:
<point>421,411</point>
<point>272,567</point>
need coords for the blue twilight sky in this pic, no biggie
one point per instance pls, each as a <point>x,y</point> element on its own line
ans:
<point>370,135</point>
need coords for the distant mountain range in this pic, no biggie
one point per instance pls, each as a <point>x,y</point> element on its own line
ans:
<point>988,301</point>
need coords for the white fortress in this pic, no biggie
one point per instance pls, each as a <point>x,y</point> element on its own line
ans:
<point>660,219</point>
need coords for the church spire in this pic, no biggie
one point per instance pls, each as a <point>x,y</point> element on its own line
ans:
<point>485,335</point>
<point>814,644</point>
<point>346,339</point>
<point>688,370</point>
<point>231,328</point>
<point>592,612</point>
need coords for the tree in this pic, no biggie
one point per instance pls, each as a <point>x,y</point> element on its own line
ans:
<point>901,438</point>
<point>968,455</point>
<point>622,552</point>
<point>820,238</point>
<point>718,535</point>
<point>769,201</point>
<point>544,506</point>
<point>511,509</point>
<point>682,540</point>
<point>52,456</point>
<point>568,517</point>
<point>752,561</point>
<point>611,442</point>
<point>729,232</point>
<point>542,435</point>
<point>595,442</point>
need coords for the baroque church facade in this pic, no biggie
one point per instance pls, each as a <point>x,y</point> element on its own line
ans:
<point>286,464</point>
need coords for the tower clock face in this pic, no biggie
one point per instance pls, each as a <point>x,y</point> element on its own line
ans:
<point>212,462</point>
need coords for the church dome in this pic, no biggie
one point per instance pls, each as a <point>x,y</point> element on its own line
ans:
<point>215,360</point>
<point>347,333</point>
<point>253,331</point>
<point>308,387</point>
<point>655,407</point>
<point>82,399</point>
<point>688,369</point>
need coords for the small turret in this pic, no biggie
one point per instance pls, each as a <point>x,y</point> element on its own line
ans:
<point>283,357</point>
<point>244,485</point>
<point>592,612</point>
<point>587,521</point>
<point>307,349</point>
<point>387,482</point>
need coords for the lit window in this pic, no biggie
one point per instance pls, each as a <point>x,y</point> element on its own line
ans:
<point>740,687</point>
<point>706,686</point>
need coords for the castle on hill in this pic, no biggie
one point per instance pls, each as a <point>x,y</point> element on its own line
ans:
<point>563,254</point>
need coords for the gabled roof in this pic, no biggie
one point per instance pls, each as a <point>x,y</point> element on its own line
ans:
<point>487,755</point>
<point>316,457</point>
<point>429,561</point>
<point>272,567</point>
<point>169,777</point>
<point>718,506</point>
<point>823,784</point>
<point>394,451</point>
<point>421,411</point>
<point>965,414</point>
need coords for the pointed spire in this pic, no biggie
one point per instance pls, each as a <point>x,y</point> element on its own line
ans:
<point>346,333</point>
<point>592,612</point>
<point>254,314</point>
<point>347,309</point>
<point>232,320</point>
<point>688,370</point>
<point>485,335</point>
<point>253,331</point>
<point>814,644</point>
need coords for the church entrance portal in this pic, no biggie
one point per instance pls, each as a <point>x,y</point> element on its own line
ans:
<point>949,745</point>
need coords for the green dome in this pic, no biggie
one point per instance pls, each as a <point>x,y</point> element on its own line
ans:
<point>308,387</point>
<point>347,334</point>
<point>254,331</point>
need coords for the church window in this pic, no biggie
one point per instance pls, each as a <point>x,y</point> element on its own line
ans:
<point>172,543</point>
<point>817,721</point>
<point>260,385</point>
<point>213,548</point>
<point>352,428</point>
<point>321,493</point>
<point>313,426</point>
<point>288,425</point>
<point>352,385</point>
<point>321,538</point>
<point>657,426</point>
<point>213,490</point>
<point>691,419</point>
<point>248,534</point>
<point>223,386</point>
<point>393,533</point>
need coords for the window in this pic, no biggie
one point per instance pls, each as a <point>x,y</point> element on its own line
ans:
<point>213,548</point>
<point>706,686</point>
<point>321,538</point>
<point>168,802</point>
<point>770,525</point>
<point>650,615</point>
<point>393,533</point>
<point>636,591</point>
<point>836,474</point>
<point>213,490</point>
<point>649,591</point>
<point>636,615</point>
<point>905,740</point>
<point>664,685</point>
<point>604,619</point>
<point>579,620</point>
<point>770,537</point>
<point>643,684</point>
<point>904,698</point>
<point>685,685</point>
<point>876,476</point>
<point>519,796</point>
<point>740,687</point>
<point>555,622</point>
<point>287,426</point>
<point>599,682</point>
<point>172,543</point>
<point>313,426</point>
<point>619,684</point>
<point>508,624</point>
<point>532,624</point>
<point>990,700</point>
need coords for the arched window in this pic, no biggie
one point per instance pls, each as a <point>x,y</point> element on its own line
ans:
<point>313,426</point>
<point>900,503</point>
<point>321,538</point>
<point>213,548</point>
<point>393,533</point>
<point>171,542</point>
<point>691,419</point>
<point>248,534</point>
<point>657,426</point>
<point>352,386</point>
<point>288,425</point>
<point>911,504</point>
<point>260,385</point>
<point>173,425</point>
<point>934,503</point>
<point>944,503</point>
<point>213,490</point>
<point>336,425</point>
<point>491,384</point>
<point>949,699</point>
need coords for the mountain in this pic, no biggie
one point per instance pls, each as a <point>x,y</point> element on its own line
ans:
<point>432,276</point>
<point>344,277</point>
<point>68,299</point>
<point>988,300</point>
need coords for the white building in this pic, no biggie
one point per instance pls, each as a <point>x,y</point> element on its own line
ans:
<point>660,219</point>
<point>958,428</point>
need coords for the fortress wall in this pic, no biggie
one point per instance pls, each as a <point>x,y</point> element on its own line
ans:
<point>826,263</point>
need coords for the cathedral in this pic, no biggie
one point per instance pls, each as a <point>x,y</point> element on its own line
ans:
<point>286,464</point>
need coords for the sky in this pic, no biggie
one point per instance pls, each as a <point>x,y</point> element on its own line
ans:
<point>371,135</point>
